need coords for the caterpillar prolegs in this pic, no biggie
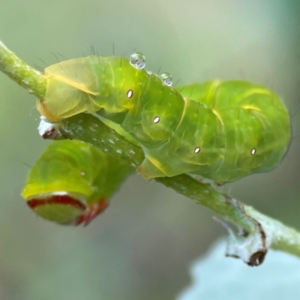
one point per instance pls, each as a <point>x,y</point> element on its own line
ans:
<point>220,130</point>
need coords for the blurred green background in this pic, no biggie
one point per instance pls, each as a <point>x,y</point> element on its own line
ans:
<point>142,246</point>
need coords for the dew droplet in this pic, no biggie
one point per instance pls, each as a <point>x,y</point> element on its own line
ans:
<point>138,60</point>
<point>156,120</point>
<point>253,151</point>
<point>197,150</point>
<point>167,79</point>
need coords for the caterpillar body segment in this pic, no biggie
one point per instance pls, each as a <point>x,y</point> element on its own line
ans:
<point>220,130</point>
<point>72,182</point>
<point>254,125</point>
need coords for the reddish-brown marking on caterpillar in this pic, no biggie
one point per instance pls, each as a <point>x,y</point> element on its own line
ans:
<point>56,199</point>
<point>91,212</point>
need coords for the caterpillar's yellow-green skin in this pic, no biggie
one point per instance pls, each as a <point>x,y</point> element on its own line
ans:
<point>237,128</point>
<point>72,182</point>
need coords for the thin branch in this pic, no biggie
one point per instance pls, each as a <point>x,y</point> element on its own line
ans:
<point>255,231</point>
<point>24,75</point>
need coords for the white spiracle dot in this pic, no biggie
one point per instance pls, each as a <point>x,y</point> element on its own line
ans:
<point>253,151</point>
<point>156,120</point>
<point>129,93</point>
<point>197,150</point>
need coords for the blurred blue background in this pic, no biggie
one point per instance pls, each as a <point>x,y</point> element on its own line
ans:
<point>141,247</point>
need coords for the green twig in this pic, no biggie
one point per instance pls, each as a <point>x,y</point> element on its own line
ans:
<point>256,232</point>
<point>27,77</point>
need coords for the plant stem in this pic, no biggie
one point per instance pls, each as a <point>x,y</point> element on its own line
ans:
<point>259,232</point>
<point>256,232</point>
<point>27,77</point>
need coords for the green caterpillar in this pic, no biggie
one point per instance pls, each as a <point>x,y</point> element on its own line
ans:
<point>220,130</point>
<point>72,182</point>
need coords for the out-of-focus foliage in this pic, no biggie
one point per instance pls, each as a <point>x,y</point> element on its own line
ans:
<point>141,246</point>
<point>216,278</point>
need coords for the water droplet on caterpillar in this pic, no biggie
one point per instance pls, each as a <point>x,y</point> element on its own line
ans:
<point>138,60</point>
<point>167,79</point>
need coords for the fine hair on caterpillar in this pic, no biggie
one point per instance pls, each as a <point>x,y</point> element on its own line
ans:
<point>222,130</point>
